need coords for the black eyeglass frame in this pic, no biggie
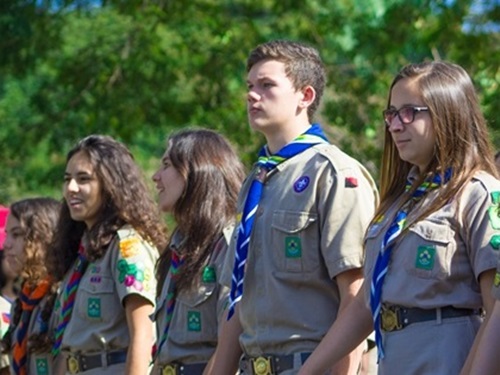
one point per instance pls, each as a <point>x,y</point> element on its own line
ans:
<point>395,112</point>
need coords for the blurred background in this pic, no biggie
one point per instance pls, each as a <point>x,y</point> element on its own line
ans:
<point>137,70</point>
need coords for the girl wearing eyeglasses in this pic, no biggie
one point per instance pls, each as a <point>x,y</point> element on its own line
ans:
<point>432,246</point>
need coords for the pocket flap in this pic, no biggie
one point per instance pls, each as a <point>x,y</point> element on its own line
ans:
<point>432,231</point>
<point>291,221</point>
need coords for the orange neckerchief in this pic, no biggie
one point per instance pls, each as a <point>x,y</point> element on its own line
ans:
<point>29,298</point>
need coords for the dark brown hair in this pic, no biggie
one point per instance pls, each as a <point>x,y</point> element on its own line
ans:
<point>127,201</point>
<point>213,174</point>
<point>303,66</point>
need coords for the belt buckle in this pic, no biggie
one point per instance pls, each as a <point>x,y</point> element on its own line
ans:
<point>73,365</point>
<point>390,319</point>
<point>170,369</point>
<point>262,366</point>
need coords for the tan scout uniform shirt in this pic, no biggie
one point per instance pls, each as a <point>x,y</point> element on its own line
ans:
<point>436,263</point>
<point>98,322</point>
<point>193,331</point>
<point>5,311</point>
<point>37,363</point>
<point>309,228</point>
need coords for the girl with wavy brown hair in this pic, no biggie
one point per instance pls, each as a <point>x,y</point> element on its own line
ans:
<point>109,231</point>
<point>30,229</point>
<point>198,183</point>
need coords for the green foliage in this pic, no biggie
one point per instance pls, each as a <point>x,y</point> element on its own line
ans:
<point>138,70</point>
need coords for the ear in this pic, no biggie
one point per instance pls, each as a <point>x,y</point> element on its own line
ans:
<point>308,96</point>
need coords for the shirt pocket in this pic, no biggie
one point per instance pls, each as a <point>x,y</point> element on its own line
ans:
<point>295,242</point>
<point>97,300</point>
<point>427,249</point>
<point>195,314</point>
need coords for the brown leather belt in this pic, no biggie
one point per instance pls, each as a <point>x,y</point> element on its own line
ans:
<point>394,318</point>
<point>78,362</point>
<point>270,364</point>
<point>180,369</point>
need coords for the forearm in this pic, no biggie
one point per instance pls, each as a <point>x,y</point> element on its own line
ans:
<point>346,334</point>
<point>227,354</point>
<point>138,357</point>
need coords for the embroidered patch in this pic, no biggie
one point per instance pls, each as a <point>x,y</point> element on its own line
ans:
<point>425,257</point>
<point>208,275</point>
<point>495,241</point>
<point>95,269</point>
<point>95,279</point>
<point>128,247</point>
<point>351,182</point>
<point>6,317</point>
<point>293,247</point>
<point>194,321</point>
<point>42,366</point>
<point>496,282</point>
<point>133,275</point>
<point>94,307</point>
<point>493,214</point>
<point>495,197</point>
<point>301,184</point>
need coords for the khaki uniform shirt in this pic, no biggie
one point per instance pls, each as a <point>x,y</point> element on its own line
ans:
<point>98,322</point>
<point>436,263</point>
<point>193,331</point>
<point>308,229</point>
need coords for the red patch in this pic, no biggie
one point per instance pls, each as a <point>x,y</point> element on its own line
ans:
<point>6,318</point>
<point>351,182</point>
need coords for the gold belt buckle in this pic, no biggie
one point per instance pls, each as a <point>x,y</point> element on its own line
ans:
<point>73,364</point>
<point>390,319</point>
<point>262,366</point>
<point>169,370</point>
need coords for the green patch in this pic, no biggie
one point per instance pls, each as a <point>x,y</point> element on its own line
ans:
<point>495,241</point>
<point>494,216</point>
<point>194,321</point>
<point>495,197</point>
<point>208,275</point>
<point>496,282</point>
<point>42,366</point>
<point>293,247</point>
<point>425,257</point>
<point>94,307</point>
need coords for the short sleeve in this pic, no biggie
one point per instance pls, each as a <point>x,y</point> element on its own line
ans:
<point>134,264</point>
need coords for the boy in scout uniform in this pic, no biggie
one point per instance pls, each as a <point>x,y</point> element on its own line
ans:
<point>303,211</point>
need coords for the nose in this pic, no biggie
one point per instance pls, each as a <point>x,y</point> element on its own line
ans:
<point>252,96</point>
<point>155,176</point>
<point>72,186</point>
<point>396,125</point>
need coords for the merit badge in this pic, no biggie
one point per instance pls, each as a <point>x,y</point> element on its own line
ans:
<point>293,247</point>
<point>42,367</point>
<point>94,307</point>
<point>301,184</point>
<point>194,321</point>
<point>496,282</point>
<point>425,257</point>
<point>208,274</point>
<point>495,197</point>
<point>351,182</point>
<point>495,241</point>
<point>493,214</point>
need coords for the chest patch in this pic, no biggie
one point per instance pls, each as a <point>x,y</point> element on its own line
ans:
<point>425,257</point>
<point>293,247</point>
<point>208,275</point>
<point>301,184</point>
<point>42,367</point>
<point>194,321</point>
<point>94,307</point>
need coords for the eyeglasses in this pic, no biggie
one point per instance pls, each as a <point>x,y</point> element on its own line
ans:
<point>405,114</point>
